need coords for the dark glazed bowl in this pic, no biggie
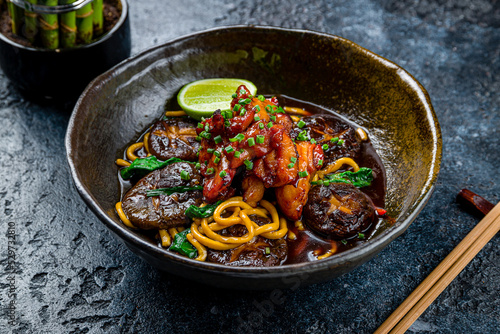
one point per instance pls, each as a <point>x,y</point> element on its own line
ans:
<point>323,69</point>
<point>64,73</point>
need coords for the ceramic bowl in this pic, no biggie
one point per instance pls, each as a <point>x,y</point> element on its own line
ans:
<point>63,74</point>
<point>323,69</point>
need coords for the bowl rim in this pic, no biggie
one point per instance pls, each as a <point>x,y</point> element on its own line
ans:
<point>99,40</point>
<point>372,246</point>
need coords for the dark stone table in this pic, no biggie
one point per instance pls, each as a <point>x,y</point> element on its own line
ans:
<point>72,276</point>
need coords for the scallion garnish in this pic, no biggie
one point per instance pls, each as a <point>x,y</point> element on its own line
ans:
<point>185,175</point>
<point>248,164</point>
<point>239,137</point>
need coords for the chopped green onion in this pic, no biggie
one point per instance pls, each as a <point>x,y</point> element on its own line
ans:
<point>261,98</point>
<point>256,118</point>
<point>244,101</point>
<point>236,107</point>
<point>227,123</point>
<point>229,149</point>
<point>341,142</point>
<point>216,160</point>
<point>290,165</point>
<point>273,118</point>
<point>248,164</point>
<point>239,137</point>
<point>270,125</point>
<point>243,92</point>
<point>205,135</point>
<point>361,236</point>
<point>206,162</point>
<point>313,141</point>
<point>334,139</point>
<point>261,126</point>
<point>293,159</point>
<point>229,114</point>
<point>344,242</point>
<point>210,150</point>
<point>243,112</point>
<point>200,126</point>
<point>217,154</point>
<point>185,175</point>
<point>207,128</point>
<point>257,108</point>
<point>210,170</point>
<point>303,136</point>
<point>303,174</point>
<point>320,162</point>
<point>325,147</point>
<point>301,124</point>
<point>251,142</point>
<point>198,138</point>
<point>237,154</point>
<point>223,173</point>
<point>234,95</point>
<point>260,138</point>
<point>326,183</point>
<point>269,109</point>
<point>197,166</point>
<point>280,110</point>
<point>218,139</point>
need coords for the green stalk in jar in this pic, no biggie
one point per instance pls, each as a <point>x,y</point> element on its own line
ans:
<point>84,23</point>
<point>68,27</point>
<point>30,23</point>
<point>98,17</point>
<point>16,17</point>
<point>49,24</point>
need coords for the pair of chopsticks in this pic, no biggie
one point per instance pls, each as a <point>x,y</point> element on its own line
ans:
<point>413,306</point>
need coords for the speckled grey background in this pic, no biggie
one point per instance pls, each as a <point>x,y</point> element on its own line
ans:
<point>71,276</point>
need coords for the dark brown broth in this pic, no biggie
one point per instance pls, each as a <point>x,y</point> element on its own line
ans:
<point>307,242</point>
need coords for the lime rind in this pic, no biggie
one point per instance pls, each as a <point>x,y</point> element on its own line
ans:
<point>202,97</point>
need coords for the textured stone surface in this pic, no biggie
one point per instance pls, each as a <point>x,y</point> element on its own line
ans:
<point>70,275</point>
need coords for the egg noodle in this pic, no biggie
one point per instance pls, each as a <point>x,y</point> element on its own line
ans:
<point>203,231</point>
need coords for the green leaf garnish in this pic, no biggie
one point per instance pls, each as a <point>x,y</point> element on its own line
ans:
<point>170,191</point>
<point>362,178</point>
<point>182,245</point>
<point>196,212</point>
<point>143,166</point>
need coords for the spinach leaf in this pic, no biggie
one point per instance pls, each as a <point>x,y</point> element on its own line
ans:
<point>143,166</point>
<point>182,245</point>
<point>170,191</point>
<point>196,212</point>
<point>362,178</point>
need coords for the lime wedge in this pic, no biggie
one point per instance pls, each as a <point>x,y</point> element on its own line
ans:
<point>201,98</point>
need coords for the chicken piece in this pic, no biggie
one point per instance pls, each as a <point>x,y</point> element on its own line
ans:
<point>253,190</point>
<point>291,199</point>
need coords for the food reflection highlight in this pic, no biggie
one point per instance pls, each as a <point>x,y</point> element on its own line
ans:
<point>257,184</point>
